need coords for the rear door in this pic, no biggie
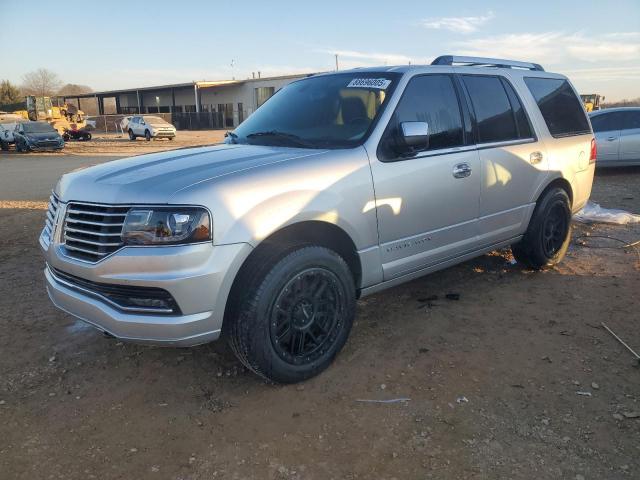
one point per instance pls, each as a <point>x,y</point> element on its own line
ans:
<point>606,127</point>
<point>512,161</point>
<point>630,137</point>
<point>427,202</point>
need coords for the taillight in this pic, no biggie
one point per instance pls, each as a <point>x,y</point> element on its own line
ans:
<point>594,151</point>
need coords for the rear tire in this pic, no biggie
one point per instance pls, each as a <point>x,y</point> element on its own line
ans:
<point>132,137</point>
<point>292,317</point>
<point>549,233</point>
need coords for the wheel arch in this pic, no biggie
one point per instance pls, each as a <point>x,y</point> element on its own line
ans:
<point>278,243</point>
<point>558,182</point>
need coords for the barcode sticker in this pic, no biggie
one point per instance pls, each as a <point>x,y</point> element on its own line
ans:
<point>379,83</point>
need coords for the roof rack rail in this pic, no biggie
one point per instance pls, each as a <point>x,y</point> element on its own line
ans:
<point>485,62</point>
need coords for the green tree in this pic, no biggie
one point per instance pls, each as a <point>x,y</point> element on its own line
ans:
<point>9,93</point>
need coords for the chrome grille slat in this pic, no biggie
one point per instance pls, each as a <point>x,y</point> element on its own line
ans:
<point>84,250</point>
<point>91,242</point>
<point>93,231</point>
<point>87,222</point>
<point>95,214</point>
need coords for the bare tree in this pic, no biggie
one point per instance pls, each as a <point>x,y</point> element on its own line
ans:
<point>41,82</point>
<point>73,89</point>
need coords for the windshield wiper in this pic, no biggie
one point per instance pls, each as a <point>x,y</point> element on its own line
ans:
<point>289,137</point>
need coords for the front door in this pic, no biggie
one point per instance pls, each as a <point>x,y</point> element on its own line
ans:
<point>427,202</point>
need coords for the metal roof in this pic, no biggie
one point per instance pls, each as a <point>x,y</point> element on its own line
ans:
<point>200,84</point>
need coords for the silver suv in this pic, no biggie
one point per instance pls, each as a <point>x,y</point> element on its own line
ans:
<point>339,186</point>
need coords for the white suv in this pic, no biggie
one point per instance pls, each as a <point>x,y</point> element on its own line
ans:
<point>150,126</point>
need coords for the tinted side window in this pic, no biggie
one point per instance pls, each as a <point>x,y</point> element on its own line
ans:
<point>559,105</point>
<point>494,117</point>
<point>431,99</point>
<point>630,120</point>
<point>522,122</point>
<point>606,122</point>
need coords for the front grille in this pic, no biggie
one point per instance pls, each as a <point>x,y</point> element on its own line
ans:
<point>127,298</point>
<point>52,209</point>
<point>47,143</point>
<point>91,232</point>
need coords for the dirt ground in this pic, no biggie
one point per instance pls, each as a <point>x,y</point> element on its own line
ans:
<point>116,144</point>
<point>515,380</point>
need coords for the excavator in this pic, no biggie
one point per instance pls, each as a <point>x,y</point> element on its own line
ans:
<point>592,101</point>
<point>62,117</point>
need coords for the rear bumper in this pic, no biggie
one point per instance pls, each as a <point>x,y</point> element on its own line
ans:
<point>198,277</point>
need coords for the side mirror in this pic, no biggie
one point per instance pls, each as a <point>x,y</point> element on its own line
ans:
<point>415,135</point>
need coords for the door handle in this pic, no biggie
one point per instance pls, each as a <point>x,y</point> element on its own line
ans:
<point>611,139</point>
<point>462,170</point>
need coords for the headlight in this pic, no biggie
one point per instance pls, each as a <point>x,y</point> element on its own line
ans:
<point>166,226</point>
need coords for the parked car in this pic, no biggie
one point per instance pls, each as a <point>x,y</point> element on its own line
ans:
<point>340,185</point>
<point>7,129</point>
<point>149,126</point>
<point>37,136</point>
<point>617,132</point>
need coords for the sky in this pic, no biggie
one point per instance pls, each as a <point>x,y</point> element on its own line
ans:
<point>110,45</point>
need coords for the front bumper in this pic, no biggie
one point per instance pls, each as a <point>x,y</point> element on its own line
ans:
<point>48,148</point>
<point>198,277</point>
<point>167,134</point>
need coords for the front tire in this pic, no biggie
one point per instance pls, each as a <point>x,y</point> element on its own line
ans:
<point>294,317</point>
<point>147,135</point>
<point>132,136</point>
<point>547,238</point>
<point>4,146</point>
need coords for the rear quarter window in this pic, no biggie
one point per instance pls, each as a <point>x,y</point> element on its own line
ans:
<point>559,105</point>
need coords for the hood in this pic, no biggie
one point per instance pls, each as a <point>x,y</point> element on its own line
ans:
<point>35,137</point>
<point>161,125</point>
<point>154,178</point>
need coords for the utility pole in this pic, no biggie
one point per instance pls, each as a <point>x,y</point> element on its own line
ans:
<point>337,67</point>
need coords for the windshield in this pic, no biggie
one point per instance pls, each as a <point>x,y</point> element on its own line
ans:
<point>327,111</point>
<point>154,120</point>
<point>37,127</point>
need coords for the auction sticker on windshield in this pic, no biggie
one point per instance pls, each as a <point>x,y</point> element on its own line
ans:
<point>380,83</point>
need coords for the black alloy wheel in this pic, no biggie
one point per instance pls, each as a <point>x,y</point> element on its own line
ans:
<point>306,316</point>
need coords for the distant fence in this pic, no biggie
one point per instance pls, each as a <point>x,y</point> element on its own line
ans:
<point>181,120</point>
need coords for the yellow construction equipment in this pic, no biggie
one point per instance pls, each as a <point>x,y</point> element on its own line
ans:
<point>592,101</point>
<point>60,117</point>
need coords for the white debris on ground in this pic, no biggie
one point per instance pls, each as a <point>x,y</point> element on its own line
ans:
<point>594,213</point>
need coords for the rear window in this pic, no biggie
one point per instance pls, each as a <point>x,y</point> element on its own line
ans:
<point>559,105</point>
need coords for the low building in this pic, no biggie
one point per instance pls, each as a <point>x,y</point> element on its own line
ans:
<point>193,105</point>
